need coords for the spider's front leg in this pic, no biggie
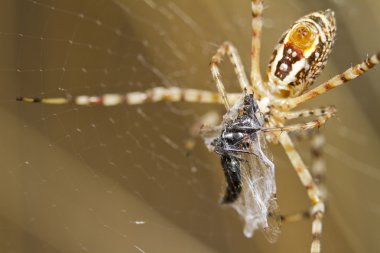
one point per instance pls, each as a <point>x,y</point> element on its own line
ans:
<point>336,81</point>
<point>154,95</point>
<point>256,26</point>
<point>170,94</point>
<point>230,50</point>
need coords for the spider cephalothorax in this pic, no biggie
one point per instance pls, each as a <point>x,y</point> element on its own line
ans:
<point>301,54</point>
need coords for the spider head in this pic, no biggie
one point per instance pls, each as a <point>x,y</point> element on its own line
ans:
<point>301,54</point>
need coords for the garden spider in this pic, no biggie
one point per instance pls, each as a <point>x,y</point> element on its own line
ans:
<point>297,60</point>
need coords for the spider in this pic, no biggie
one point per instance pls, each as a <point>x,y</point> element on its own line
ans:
<point>297,60</point>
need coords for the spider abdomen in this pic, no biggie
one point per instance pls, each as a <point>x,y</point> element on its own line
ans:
<point>301,54</point>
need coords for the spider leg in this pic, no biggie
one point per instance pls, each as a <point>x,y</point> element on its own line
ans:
<point>230,50</point>
<point>294,217</point>
<point>318,207</point>
<point>171,94</point>
<point>336,81</point>
<point>324,114</point>
<point>318,169</point>
<point>320,111</point>
<point>318,165</point>
<point>256,26</point>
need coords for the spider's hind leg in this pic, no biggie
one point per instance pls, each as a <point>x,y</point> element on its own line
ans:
<point>323,114</point>
<point>317,162</point>
<point>294,217</point>
<point>313,191</point>
<point>317,168</point>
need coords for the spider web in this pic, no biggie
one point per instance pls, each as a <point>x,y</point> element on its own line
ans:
<point>119,179</point>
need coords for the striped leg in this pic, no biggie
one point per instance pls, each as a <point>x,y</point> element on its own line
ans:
<point>172,94</point>
<point>317,140</point>
<point>305,113</point>
<point>313,192</point>
<point>318,165</point>
<point>299,216</point>
<point>318,168</point>
<point>336,81</point>
<point>324,114</point>
<point>230,50</point>
<point>256,26</point>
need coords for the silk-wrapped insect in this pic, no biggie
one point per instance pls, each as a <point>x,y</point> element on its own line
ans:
<point>247,166</point>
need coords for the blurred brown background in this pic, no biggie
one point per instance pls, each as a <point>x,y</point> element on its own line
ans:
<point>97,179</point>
